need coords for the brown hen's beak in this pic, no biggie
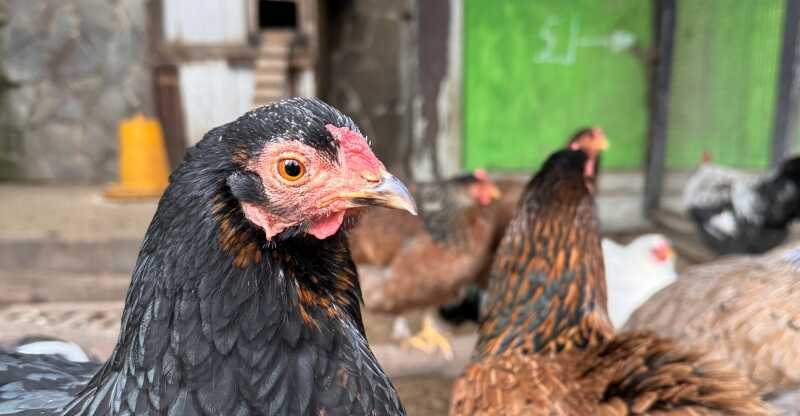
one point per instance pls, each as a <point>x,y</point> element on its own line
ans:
<point>495,192</point>
<point>389,192</point>
<point>601,143</point>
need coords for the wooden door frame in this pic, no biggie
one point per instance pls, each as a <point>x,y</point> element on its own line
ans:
<point>787,120</point>
<point>664,28</point>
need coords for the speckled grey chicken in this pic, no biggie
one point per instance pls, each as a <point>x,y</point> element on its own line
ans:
<point>746,309</point>
<point>736,212</point>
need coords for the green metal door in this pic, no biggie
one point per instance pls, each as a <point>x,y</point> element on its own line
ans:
<point>536,70</point>
<point>724,75</point>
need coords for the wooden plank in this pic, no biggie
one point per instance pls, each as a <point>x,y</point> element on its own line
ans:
<point>169,110</point>
<point>243,55</point>
<point>657,146</point>
<point>433,28</point>
<point>205,22</point>
<point>786,121</point>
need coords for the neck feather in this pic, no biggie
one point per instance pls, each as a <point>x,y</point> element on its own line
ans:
<point>547,290</point>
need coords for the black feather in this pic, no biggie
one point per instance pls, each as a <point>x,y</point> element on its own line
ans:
<point>246,186</point>
<point>466,309</point>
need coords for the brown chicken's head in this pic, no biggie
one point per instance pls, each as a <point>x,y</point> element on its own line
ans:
<point>483,190</point>
<point>313,166</point>
<point>591,141</point>
<point>706,158</point>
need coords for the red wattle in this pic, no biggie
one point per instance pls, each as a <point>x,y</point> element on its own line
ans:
<point>326,226</point>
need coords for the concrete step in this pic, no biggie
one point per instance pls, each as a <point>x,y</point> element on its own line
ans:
<point>62,256</point>
<point>70,213</point>
<point>92,325</point>
<point>39,286</point>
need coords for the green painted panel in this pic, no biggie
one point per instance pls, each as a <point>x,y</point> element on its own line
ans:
<point>535,71</point>
<point>724,77</point>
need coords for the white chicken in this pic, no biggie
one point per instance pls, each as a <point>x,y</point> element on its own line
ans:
<point>636,271</point>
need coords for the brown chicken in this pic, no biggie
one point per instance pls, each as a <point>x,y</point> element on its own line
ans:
<point>746,309</point>
<point>546,345</point>
<point>465,308</point>
<point>381,233</point>
<point>405,264</point>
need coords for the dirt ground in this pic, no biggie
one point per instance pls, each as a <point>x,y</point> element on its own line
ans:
<point>425,396</point>
<point>421,396</point>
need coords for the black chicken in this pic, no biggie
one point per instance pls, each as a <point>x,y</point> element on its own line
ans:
<point>735,213</point>
<point>244,299</point>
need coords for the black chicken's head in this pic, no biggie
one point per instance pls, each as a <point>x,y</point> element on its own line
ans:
<point>300,164</point>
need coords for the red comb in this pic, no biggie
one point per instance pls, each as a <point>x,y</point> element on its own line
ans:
<point>355,149</point>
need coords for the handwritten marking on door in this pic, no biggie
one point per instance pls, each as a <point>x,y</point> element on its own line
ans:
<point>559,52</point>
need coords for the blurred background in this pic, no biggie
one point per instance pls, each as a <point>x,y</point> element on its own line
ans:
<point>440,87</point>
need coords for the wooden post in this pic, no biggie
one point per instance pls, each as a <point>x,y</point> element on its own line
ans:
<point>665,15</point>
<point>785,128</point>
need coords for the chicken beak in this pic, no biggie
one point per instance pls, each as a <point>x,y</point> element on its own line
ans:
<point>495,193</point>
<point>602,143</point>
<point>389,192</point>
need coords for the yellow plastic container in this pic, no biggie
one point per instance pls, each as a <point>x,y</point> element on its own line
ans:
<point>143,166</point>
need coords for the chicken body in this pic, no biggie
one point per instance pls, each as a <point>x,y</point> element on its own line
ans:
<point>546,345</point>
<point>634,272</point>
<point>427,261</point>
<point>744,309</point>
<point>739,213</point>
<point>434,260</point>
<point>244,299</point>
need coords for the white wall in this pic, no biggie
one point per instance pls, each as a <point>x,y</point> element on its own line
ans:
<point>205,21</point>
<point>212,94</point>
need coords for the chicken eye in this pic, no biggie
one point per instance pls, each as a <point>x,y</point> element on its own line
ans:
<point>291,169</point>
